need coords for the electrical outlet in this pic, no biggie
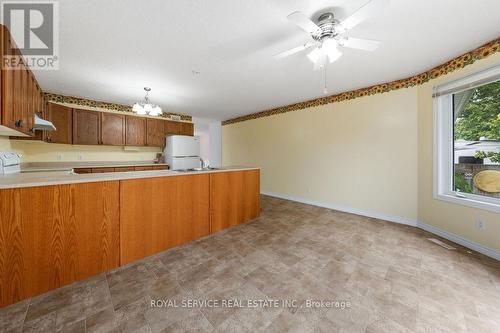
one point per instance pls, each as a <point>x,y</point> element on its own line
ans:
<point>309,190</point>
<point>480,224</point>
<point>80,157</point>
<point>59,157</point>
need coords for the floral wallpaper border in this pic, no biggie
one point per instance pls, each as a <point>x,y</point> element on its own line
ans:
<point>459,62</point>
<point>104,105</point>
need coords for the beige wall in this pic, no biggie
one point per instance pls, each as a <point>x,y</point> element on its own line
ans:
<point>359,154</point>
<point>450,217</point>
<point>371,155</point>
<point>49,152</point>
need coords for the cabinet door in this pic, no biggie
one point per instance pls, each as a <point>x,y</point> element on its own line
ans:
<point>55,235</point>
<point>7,111</point>
<point>15,88</point>
<point>187,129</point>
<point>124,169</point>
<point>160,213</point>
<point>155,136</point>
<point>19,120</point>
<point>61,117</point>
<point>29,100</point>
<point>86,127</point>
<point>102,170</point>
<point>112,129</point>
<point>143,168</point>
<point>135,131</point>
<point>234,198</point>
<point>172,127</point>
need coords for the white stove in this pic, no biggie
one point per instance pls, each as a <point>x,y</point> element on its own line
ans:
<point>10,163</point>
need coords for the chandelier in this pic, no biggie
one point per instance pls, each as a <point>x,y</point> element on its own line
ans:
<point>146,107</point>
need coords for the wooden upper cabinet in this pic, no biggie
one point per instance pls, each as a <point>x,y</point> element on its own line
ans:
<point>17,91</point>
<point>187,129</point>
<point>7,93</point>
<point>155,136</point>
<point>86,127</point>
<point>135,131</point>
<point>61,117</point>
<point>172,127</point>
<point>112,129</point>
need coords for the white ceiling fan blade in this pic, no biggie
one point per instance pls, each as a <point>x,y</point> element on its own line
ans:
<point>289,52</point>
<point>371,8</point>
<point>361,44</point>
<point>303,22</point>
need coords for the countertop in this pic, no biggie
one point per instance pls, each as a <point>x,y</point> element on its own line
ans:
<point>46,178</point>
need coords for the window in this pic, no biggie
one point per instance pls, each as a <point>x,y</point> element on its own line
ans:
<point>467,140</point>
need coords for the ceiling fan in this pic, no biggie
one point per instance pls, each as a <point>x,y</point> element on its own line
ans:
<point>328,34</point>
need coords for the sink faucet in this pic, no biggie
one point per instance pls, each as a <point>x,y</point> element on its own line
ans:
<point>203,163</point>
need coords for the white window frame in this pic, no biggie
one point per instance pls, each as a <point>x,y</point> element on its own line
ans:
<point>443,141</point>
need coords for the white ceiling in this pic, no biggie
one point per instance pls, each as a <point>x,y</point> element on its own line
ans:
<point>110,50</point>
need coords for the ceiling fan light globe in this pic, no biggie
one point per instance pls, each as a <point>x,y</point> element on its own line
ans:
<point>330,47</point>
<point>314,55</point>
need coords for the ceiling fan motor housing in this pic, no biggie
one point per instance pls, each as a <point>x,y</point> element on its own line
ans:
<point>327,24</point>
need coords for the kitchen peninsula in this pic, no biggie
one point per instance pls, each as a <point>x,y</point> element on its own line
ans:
<point>61,227</point>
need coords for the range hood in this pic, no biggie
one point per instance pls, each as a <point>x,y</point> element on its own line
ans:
<point>43,125</point>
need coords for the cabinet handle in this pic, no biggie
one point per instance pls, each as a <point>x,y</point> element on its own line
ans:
<point>19,123</point>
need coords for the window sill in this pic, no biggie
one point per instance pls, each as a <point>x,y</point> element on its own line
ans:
<point>470,202</point>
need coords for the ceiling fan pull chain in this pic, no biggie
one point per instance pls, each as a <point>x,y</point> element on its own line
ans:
<point>325,90</point>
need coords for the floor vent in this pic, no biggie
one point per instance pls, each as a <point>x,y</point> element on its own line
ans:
<point>442,244</point>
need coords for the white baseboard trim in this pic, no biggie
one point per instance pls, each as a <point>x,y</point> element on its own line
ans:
<point>362,212</point>
<point>492,253</point>
<point>396,219</point>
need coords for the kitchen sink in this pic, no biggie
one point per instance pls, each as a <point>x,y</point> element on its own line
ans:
<point>198,169</point>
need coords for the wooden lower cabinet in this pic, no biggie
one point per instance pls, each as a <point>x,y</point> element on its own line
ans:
<point>143,168</point>
<point>162,212</point>
<point>124,169</point>
<point>234,198</point>
<point>51,236</point>
<point>102,170</point>
<point>54,235</point>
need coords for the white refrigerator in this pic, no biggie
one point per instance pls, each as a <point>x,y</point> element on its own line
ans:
<point>182,152</point>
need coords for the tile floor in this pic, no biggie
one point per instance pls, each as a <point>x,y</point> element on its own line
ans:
<point>394,279</point>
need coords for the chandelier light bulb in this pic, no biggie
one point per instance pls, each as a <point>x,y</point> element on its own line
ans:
<point>146,107</point>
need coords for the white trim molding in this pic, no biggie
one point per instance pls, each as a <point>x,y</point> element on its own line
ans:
<point>492,253</point>
<point>356,211</point>
<point>443,160</point>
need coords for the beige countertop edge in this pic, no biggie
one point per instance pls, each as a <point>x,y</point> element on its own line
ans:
<point>37,179</point>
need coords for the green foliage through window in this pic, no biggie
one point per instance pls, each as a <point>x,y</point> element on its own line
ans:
<point>494,157</point>
<point>461,184</point>
<point>480,117</point>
